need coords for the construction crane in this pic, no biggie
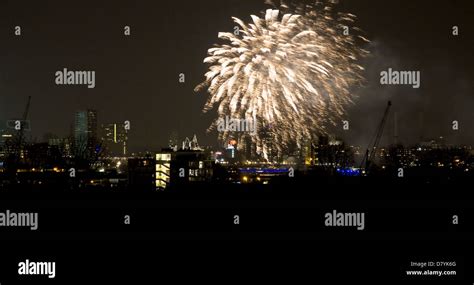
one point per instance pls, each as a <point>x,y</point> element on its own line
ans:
<point>374,143</point>
<point>27,109</point>
<point>21,132</point>
<point>17,144</point>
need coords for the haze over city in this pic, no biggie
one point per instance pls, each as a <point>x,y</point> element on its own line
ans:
<point>137,76</point>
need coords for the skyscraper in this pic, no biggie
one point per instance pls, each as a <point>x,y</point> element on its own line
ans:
<point>114,138</point>
<point>85,130</point>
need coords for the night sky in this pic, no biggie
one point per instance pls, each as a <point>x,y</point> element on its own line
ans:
<point>137,76</point>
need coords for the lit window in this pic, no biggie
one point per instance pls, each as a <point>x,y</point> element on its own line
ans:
<point>163,156</point>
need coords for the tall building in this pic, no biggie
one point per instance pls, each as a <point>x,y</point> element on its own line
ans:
<point>85,130</point>
<point>115,138</point>
<point>63,145</point>
<point>307,153</point>
<point>266,148</point>
<point>182,167</point>
<point>5,138</point>
<point>247,148</point>
<point>231,151</point>
<point>163,170</point>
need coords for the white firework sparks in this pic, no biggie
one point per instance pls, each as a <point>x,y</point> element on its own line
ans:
<point>291,71</point>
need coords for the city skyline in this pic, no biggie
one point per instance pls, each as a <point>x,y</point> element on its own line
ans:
<point>113,132</point>
<point>153,100</point>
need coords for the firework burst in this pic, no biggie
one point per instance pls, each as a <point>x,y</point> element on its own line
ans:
<point>292,69</point>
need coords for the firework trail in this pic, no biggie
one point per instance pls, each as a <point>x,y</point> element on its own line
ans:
<point>292,69</point>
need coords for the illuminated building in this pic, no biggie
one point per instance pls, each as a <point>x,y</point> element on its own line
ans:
<point>63,145</point>
<point>266,149</point>
<point>247,148</point>
<point>115,138</point>
<point>85,130</point>
<point>163,170</point>
<point>181,167</point>
<point>231,150</point>
<point>5,137</point>
<point>307,153</point>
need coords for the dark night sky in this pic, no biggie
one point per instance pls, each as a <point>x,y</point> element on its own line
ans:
<point>137,76</point>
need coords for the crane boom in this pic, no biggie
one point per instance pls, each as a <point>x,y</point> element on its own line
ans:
<point>372,148</point>
<point>27,109</point>
<point>20,141</point>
